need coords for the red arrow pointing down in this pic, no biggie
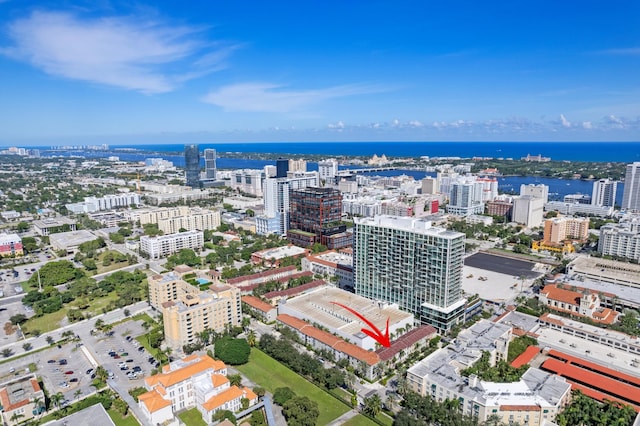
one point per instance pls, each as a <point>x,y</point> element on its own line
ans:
<point>383,339</point>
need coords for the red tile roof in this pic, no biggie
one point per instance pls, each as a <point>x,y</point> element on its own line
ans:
<point>592,393</point>
<point>294,290</point>
<point>264,274</point>
<point>593,366</point>
<point>294,276</point>
<point>258,304</point>
<point>525,357</point>
<point>594,380</point>
<point>330,340</point>
<point>406,341</point>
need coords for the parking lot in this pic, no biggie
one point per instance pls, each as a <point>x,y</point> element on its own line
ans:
<point>63,369</point>
<point>120,353</point>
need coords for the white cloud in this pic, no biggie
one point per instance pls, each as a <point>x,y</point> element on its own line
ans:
<point>626,51</point>
<point>268,97</point>
<point>587,125</point>
<point>338,125</point>
<point>127,52</point>
<point>564,121</point>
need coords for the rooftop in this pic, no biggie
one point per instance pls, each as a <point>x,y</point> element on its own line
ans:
<point>93,415</point>
<point>403,223</point>
<point>281,252</point>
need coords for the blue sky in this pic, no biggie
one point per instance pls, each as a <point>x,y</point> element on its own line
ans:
<point>215,71</point>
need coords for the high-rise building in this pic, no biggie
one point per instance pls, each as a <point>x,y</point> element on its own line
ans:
<point>528,210</point>
<point>276,201</point>
<point>165,245</point>
<point>328,169</point>
<point>317,213</point>
<point>465,198</point>
<point>559,229</point>
<point>282,167</point>
<point>537,191</point>
<point>631,195</point>
<point>621,239</point>
<point>297,165</point>
<point>192,165</point>
<point>407,261</point>
<point>210,163</point>
<point>604,192</point>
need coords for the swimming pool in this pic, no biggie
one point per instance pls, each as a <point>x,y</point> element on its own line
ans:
<point>202,281</point>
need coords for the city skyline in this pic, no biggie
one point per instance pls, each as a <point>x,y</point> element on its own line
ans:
<point>81,73</point>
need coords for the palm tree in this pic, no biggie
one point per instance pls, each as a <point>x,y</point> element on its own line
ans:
<point>372,405</point>
<point>99,324</point>
<point>39,403</point>
<point>56,398</point>
<point>101,373</point>
<point>15,417</point>
<point>77,393</point>
<point>251,338</point>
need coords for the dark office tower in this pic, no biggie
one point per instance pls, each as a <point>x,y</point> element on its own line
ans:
<point>210,163</point>
<point>315,217</point>
<point>282,167</point>
<point>192,165</point>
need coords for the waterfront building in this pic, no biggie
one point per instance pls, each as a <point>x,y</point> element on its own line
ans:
<point>10,245</point>
<point>409,262</point>
<point>210,164</point>
<point>328,169</point>
<point>577,198</point>
<point>282,167</point>
<point>465,198</point>
<point>578,208</point>
<point>297,166</point>
<point>631,195</point>
<point>604,193</point>
<point>165,245</point>
<point>535,399</point>
<point>192,165</point>
<point>537,191</point>
<point>194,381</point>
<point>528,210</point>
<point>621,239</point>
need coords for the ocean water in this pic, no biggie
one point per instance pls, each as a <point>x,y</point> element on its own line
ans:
<point>571,151</point>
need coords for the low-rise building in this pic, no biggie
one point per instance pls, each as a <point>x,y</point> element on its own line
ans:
<point>332,265</point>
<point>10,245</point>
<point>319,307</point>
<point>195,381</point>
<point>605,271</point>
<point>537,398</point>
<point>576,301</point>
<point>70,241</point>
<point>165,245</point>
<point>22,399</point>
<point>246,283</point>
<point>50,226</point>
<point>266,312</point>
<point>273,256</point>
<point>573,208</point>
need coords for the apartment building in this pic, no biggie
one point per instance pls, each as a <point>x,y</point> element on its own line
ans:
<point>621,239</point>
<point>108,202</point>
<point>409,262</point>
<point>194,219</point>
<point>191,313</point>
<point>559,229</point>
<point>165,245</point>
<point>534,400</point>
<point>528,210</point>
<point>248,181</point>
<point>167,287</point>
<point>631,195</point>
<point>195,381</point>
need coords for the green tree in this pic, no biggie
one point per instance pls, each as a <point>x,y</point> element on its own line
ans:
<point>282,395</point>
<point>18,319</point>
<point>301,411</point>
<point>235,379</point>
<point>372,405</point>
<point>232,351</point>
<point>27,347</point>
<point>22,226</point>
<point>223,414</point>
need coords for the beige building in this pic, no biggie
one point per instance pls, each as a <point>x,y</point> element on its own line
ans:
<point>559,229</point>
<point>190,314</point>
<point>171,219</point>
<point>21,399</point>
<point>187,311</point>
<point>534,400</point>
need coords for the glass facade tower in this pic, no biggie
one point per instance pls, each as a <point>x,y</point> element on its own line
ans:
<point>406,261</point>
<point>192,165</point>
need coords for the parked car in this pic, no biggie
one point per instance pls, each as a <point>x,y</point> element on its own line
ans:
<point>62,362</point>
<point>137,369</point>
<point>124,354</point>
<point>89,371</point>
<point>68,372</point>
<point>141,348</point>
<point>74,380</point>
<point>52,361</point>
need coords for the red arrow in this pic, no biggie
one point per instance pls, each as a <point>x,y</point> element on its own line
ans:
<point>383,339</point>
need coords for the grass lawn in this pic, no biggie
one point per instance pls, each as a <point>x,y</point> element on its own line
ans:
<point>142,339</point>
<point>129,420</point>
<point>360,420</point>
<point>51,321</point>
<point>384,418</point>
<point>192,418</point>
<point>270,374</point>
